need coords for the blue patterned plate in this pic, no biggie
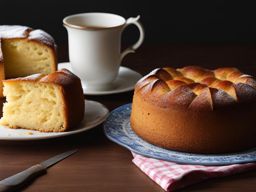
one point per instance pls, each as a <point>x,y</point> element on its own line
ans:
<point>117,128</point>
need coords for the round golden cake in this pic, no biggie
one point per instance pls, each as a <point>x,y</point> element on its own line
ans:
<point>196,110</point>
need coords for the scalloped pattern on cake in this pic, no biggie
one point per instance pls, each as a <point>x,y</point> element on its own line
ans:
<point>197,88</point>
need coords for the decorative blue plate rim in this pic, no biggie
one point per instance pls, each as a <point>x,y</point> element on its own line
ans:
<point>117,129</point>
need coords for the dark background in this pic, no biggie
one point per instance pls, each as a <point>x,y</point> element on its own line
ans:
<point>164,21</point>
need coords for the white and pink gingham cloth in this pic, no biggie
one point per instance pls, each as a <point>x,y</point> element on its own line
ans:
<point>171,176</point>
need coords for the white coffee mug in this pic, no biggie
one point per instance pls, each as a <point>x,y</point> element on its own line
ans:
<point>95,47</point>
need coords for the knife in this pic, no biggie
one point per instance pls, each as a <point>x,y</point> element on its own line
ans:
<point>18,180</point>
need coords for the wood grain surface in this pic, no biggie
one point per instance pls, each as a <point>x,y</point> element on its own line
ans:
<point>101,165</point>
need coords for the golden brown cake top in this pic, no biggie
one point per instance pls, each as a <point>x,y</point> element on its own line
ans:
<point>62,77</point>
<point>17,31</point>
<point>197,88</point>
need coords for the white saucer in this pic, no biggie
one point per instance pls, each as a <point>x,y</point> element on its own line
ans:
<point>126,80</point>
<point>95,114</point>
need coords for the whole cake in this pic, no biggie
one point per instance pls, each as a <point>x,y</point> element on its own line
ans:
<point>48,103</point>
<point>24,51</point>
<point>197,110</point>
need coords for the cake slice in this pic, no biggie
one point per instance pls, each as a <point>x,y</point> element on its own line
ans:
<point>25,51</point>
<point>47,103</point>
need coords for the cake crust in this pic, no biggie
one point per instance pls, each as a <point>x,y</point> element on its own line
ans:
<point>24,32</point>
<point>196,110</point>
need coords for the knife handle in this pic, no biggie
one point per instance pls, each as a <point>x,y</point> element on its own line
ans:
<point>13,182</point>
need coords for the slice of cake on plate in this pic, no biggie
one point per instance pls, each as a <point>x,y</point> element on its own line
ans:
<point>47,103</point>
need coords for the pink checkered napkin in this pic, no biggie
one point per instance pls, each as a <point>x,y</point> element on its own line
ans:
<point>171,176</point>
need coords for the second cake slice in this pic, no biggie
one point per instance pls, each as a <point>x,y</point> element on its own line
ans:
<point>48,103</point>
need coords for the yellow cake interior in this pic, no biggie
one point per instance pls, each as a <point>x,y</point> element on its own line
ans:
<point>23,57</point>
<point>33,105</point>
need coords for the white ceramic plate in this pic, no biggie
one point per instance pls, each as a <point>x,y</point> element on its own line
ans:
<point>95,114</point>
<point>125,81</point>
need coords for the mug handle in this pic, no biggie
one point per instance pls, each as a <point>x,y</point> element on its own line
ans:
<point>131,49</point>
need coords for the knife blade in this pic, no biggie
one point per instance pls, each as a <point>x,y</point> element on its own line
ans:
<point>18,180</point>
<point>50,162</point>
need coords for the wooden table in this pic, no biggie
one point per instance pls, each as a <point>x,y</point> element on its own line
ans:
<point>101,165</point>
